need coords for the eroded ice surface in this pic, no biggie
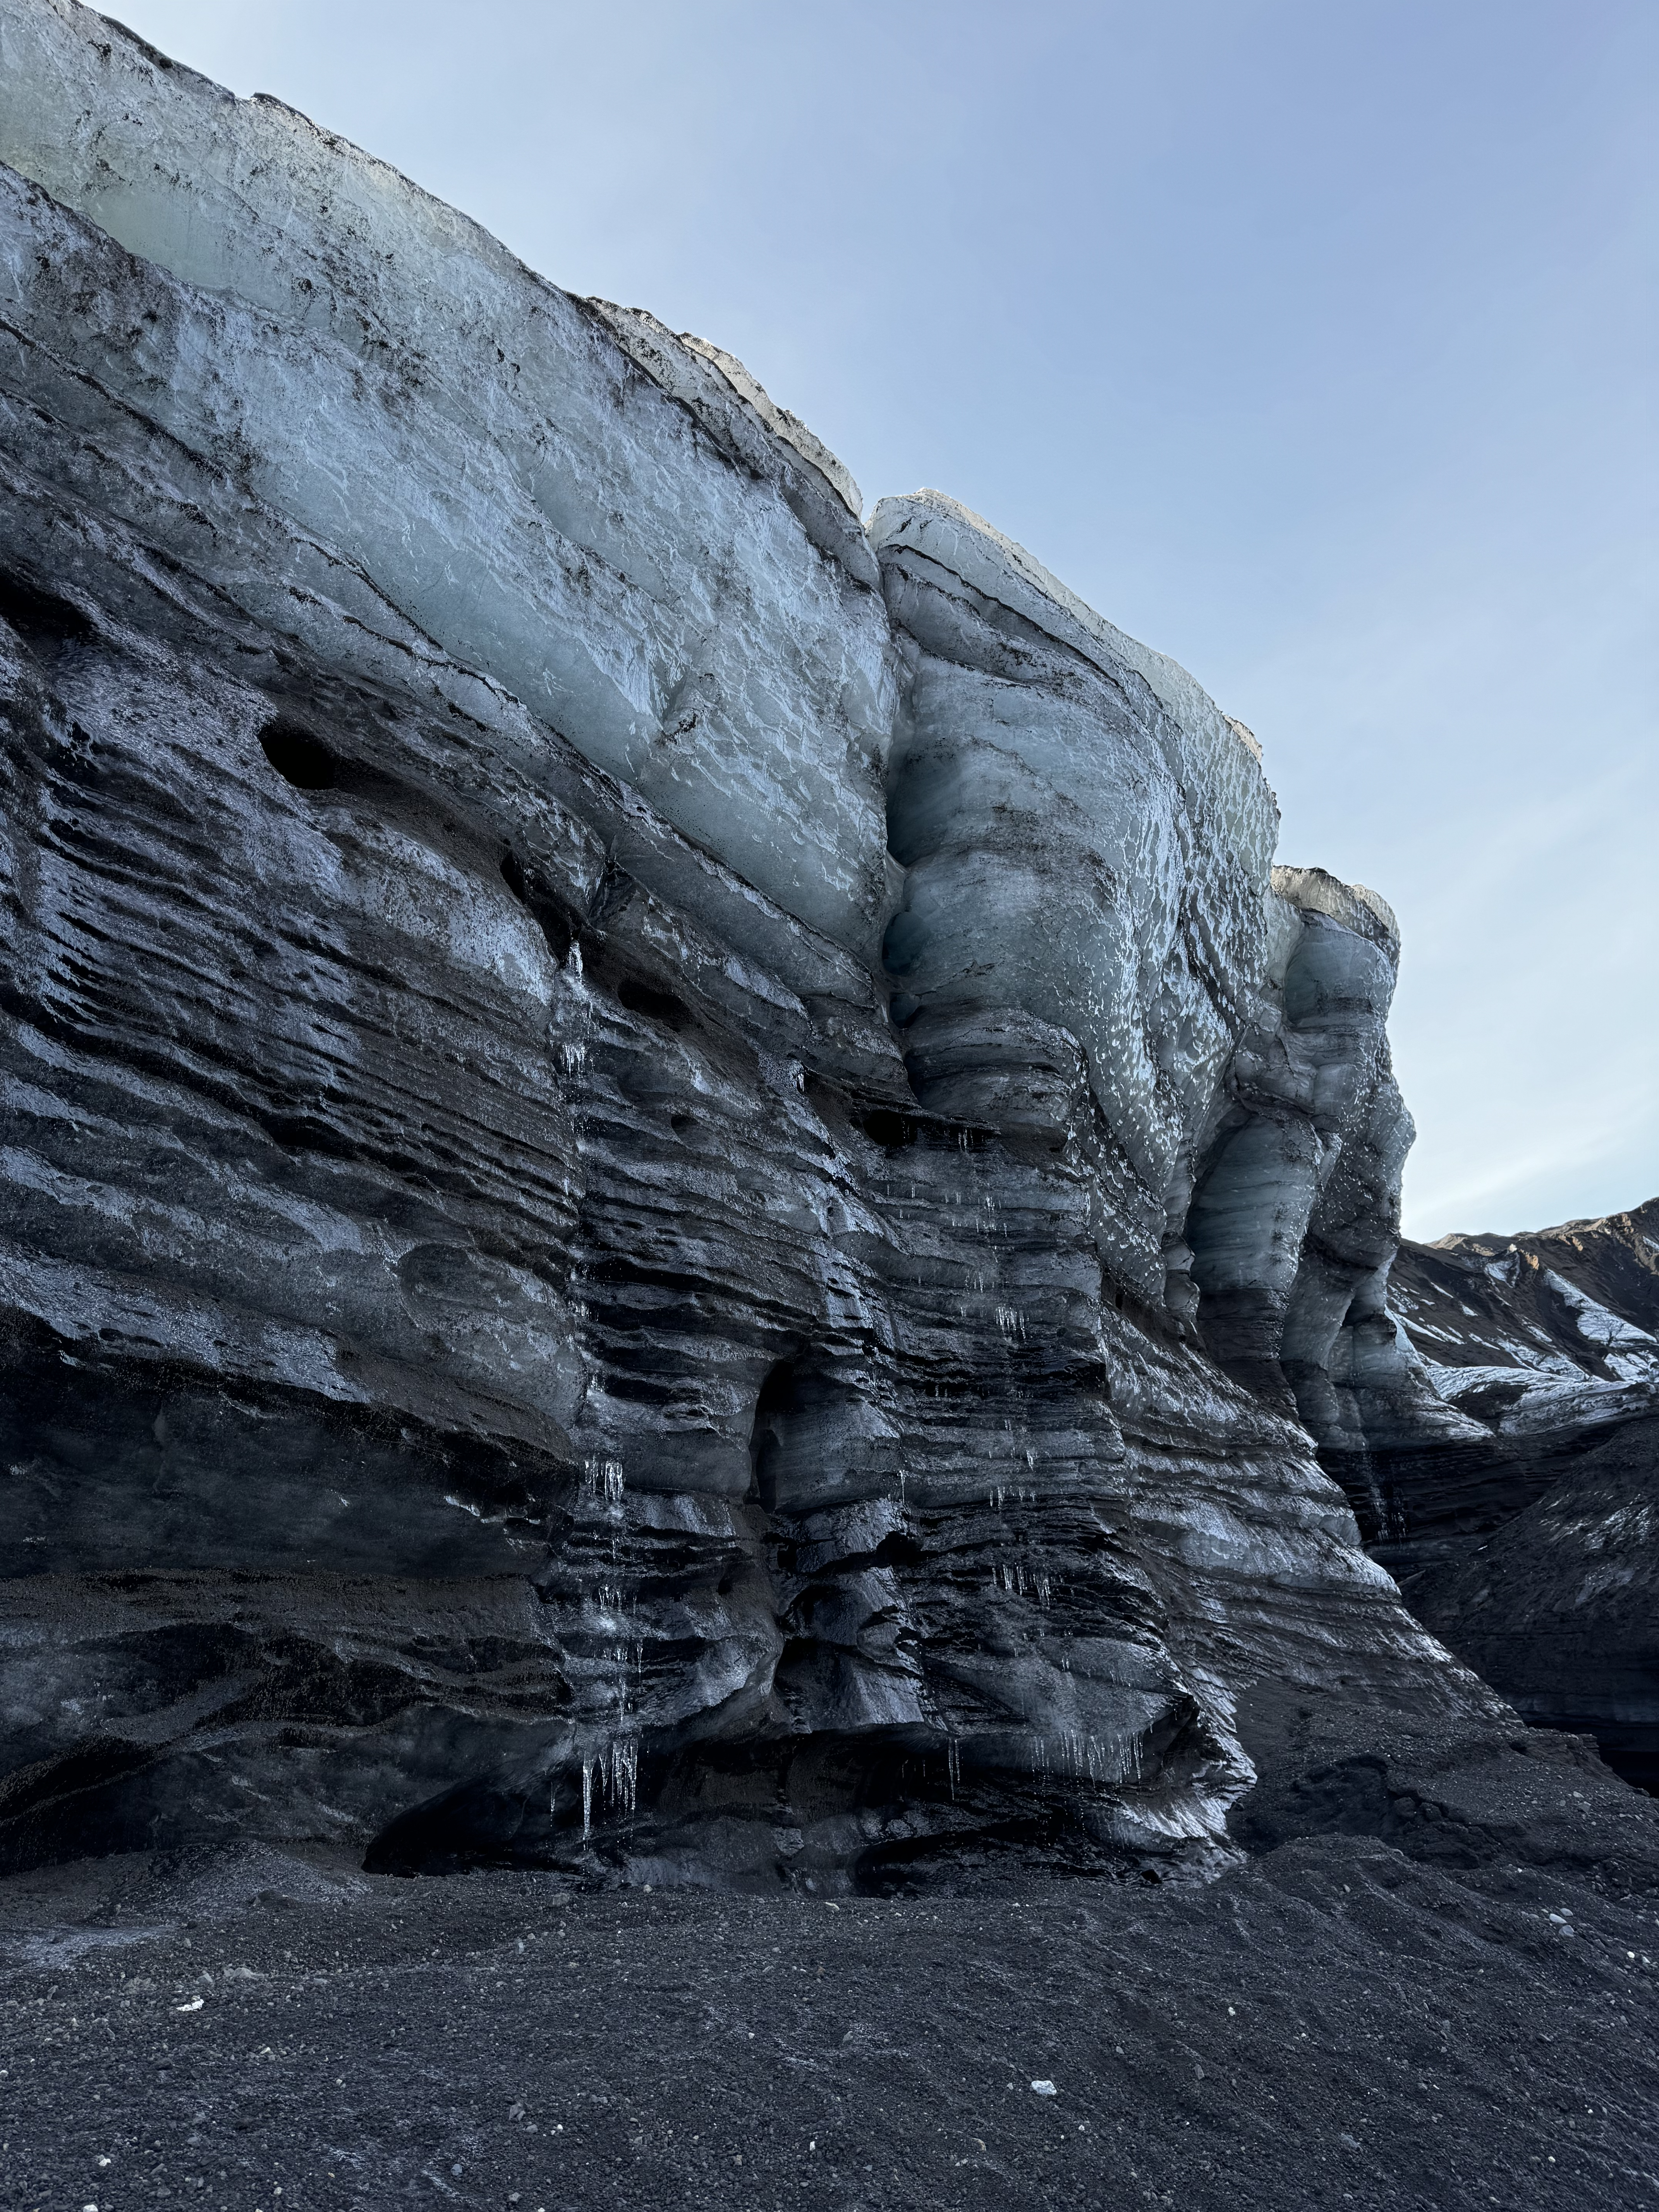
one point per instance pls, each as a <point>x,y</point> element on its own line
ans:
<point>675,1172</point>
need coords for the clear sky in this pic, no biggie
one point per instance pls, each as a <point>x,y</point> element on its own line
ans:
<point>1311,341</point>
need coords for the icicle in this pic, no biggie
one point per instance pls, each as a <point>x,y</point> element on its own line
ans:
<point>604,1478</point>
<point>625,1773</point>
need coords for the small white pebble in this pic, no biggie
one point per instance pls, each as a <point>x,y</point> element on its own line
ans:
<point>1045,2089</point>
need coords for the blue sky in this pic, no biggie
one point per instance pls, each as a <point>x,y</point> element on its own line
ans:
<point>1311,343</point>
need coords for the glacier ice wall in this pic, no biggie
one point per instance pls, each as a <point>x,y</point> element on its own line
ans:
<point>674,1168</point>
<point>1086,839</point>
<point>611,529</point>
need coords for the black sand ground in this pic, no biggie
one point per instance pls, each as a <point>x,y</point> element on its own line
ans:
<point>1331,2024</point>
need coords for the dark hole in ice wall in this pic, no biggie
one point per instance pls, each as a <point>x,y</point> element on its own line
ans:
<point>44,622</point>
<point>474,1824</point>
<point>820,1438</point>
<point>656,1006</point>
<point>898,1550</point>
<point>890,1130</point>
<point>298,757</point>
<point>779,1394</point>
<point>905,942</point>
<point>551,916</point>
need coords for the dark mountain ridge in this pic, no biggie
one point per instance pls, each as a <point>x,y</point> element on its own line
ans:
<point>1530,1550</point>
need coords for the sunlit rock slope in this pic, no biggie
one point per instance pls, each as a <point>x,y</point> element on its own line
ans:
<point>674,1169</point>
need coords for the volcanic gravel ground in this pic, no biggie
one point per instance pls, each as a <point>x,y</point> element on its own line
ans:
<point>1329,2024</point>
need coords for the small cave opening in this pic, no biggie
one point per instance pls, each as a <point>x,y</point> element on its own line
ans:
<point>471,1824</point>
<point>299,756</point>
<point>44,622</point>
<point>903,945</point>
<point>899,1549</point>
<point>891,1131</point>
<point>549,914</point>
<point>780,1395</point>
<point>656,1006</point>
<point>820,1437</point>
